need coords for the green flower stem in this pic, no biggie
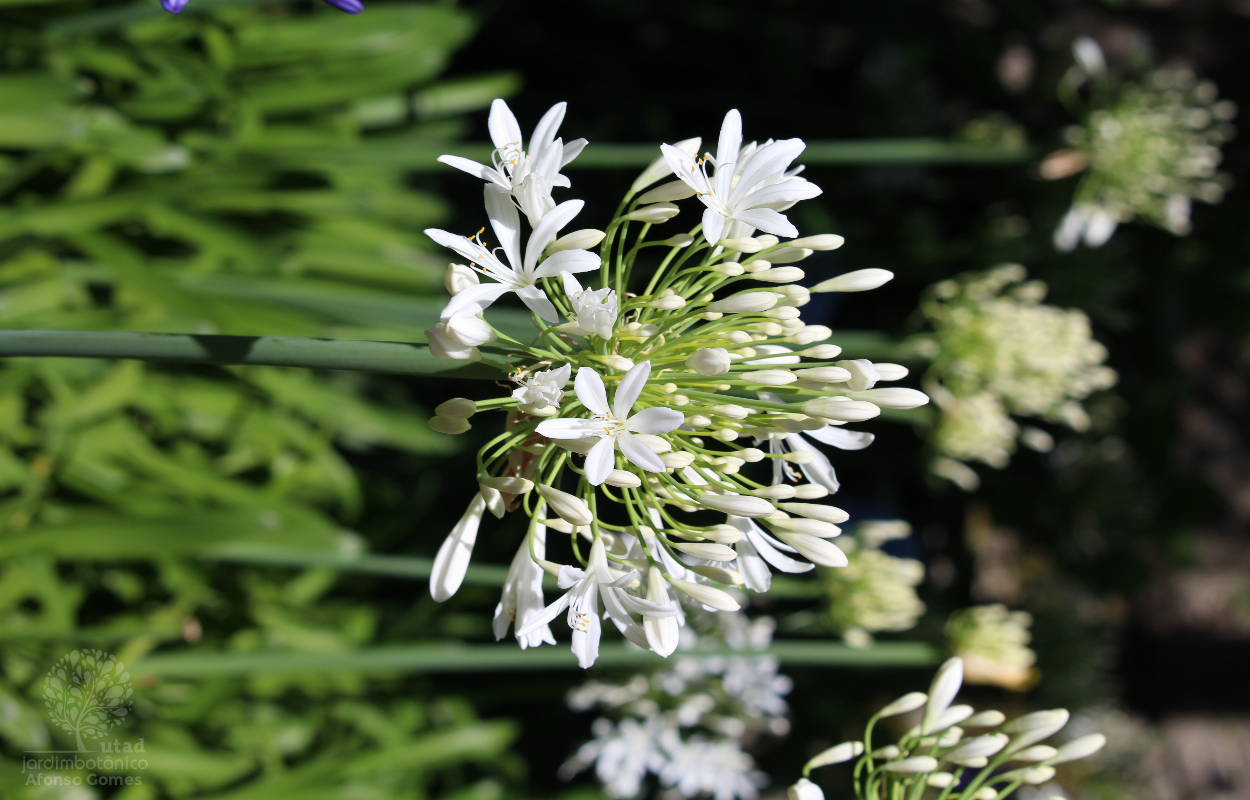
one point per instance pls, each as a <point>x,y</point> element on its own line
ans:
<point>398,358</point>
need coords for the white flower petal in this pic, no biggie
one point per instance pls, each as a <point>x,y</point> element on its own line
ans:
<point>505,222</point>
<point>590,390</point>
<point>713,225</point>
<point>628,390</point>
<point>655,421</point>
<point>638,453</point>
<point>503,126</point>
<point>535,300</point>
<point>601,460</point>
<point>453,556</point>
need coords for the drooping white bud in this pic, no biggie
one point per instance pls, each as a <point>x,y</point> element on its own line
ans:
<point>737,504</point>
<point>451,425</point>
<point>654,214</point>
<point>1033,728</point>
<point>824,374</point>
<point>891,372</point>
<point>584,239</point>
<point>459,277</point>
<point>795,295</point>
<point>751,454</point>
<point>892,397</point>
<point>779,275</point>
<point>840,410</point>
<point>985,719</point>
<point>731,269</point>
<point>861,280</point>
<point>810,491</point>
<point>748,303</point>
<point>824,352</point>
<point>805,790</point>
<point>698,420</point>
<point>784,255</point>
<point>905,704</point>
<point>940,780</point>
<point>1038,752</point>
<point>680,240</point>
<point>835,755</point>
<point>732,411</point>
<point>619,363</point>
<point>864,374</point>
<point>809,334</point>
<point>813,548</point>
<point>769,377</point>
<point>1083,747</point>
<point>570,508</point>
<point>823,513</point>
<point>667,193</point>
<point>456,408</point>
<point>887,752</point>
<point>678,460</point>
<point>1030,775</point>
<point>707,595</point>
<point>781,491</point>
<point>709,361</point>
<point>725,434</point>
<point>669,303</point>
<point>510,484</point>
<point>822,241</point>
<point>945,685</point>
<point>977,747</point>
<point>708,551</point>
<point>800,456</point>
<point>725,534</point>
<point>469,330</point>
<point>783,313</point>
<point>743,244</point>
<point>913,764</point>
<point>758,265</point>
<point>623,479</point>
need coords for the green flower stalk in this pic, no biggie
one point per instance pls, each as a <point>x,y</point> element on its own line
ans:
<point>674,367</point>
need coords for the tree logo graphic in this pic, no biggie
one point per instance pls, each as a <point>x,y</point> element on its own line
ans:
<point>87,693</point>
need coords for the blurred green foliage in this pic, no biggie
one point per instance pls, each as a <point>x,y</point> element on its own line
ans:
<point>241,171</point>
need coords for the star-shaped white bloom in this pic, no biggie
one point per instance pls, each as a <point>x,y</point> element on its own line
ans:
<point>522,596</point>
<point>545,388</point>
<point>752,197</point>
<point>528,175</point>
<point>519,274</point>
<point>585,589</point>
<point>595,310</point>
<point>615,425</point>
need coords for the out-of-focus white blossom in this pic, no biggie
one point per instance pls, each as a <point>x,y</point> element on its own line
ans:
<point>994,645</point>
<point>875,591</point>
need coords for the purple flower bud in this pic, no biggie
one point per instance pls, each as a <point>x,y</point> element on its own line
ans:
<point>348,6</point>
<point>174,6</point>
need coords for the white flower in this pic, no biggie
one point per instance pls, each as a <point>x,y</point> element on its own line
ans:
<point>443,345</point>
<point>585,588</point>
<point>756,550</point>
<point>543,389</point>
<point>522,596</point>
<point>594,310</point>
<point>615,425</point>
<point>752,196</point>
<point>453,556</point>
<point>719,769</point>
<point>622,754</point>
<point>529,175</point>
<point>805,790</point>
<point>709,361</point>
<point>469,329</point>
<point>517,275</point>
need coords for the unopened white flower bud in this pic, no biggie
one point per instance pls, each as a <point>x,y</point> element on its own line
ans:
<point>508,484</point>
<point>730,268</point>
<point>807,335</point>
<point>707,595</point>
<point>795,295</point>
<point>1030,775</point>
<point>678,460</point>
<point>449,424</point>
<point>861,280</point>
<point>459,277</point>
<point>680,240</point>
<point>711,315</point>
<point>725,435</point>
<point>940,780</point>
<point>891,372</point>
<point>623,479</point>
<point>822,241</point>
<point>977,747</point>
<point>985,792</point>
<point>725,534</point>
<point>656,444</point>
<point>813,548</point>
<point>709,361</point>
<point>1033,728</point>
<point>679,399</point>
<point>619,363</point>
<point>570,508</point>
<point>759,265</point>
<point>913,764</point>
<point>815,527</point>
<point>800,456</point>
<point>783,313</point>
<point>769,377</point>
<point>654,214</point>
<point>670,303</point>
<point>1038,752</point>
<point>469,330</point>
<point>737,504</point>
<point>743,244</point>
<point>840,410</point>
<point>779,275</point>
<point>836,755</point>
<point>810,491</point>
<point>985,719</point>
<point>584,239</point>
<point>823,513</point>
<point>456,408</point>
<point>824,374</point>
<point>769,329</point>
<point>805,790</point>
<point>942,690</point>
<point>892,397</point>
<point>725,575</point>
<point>784,255</point>
<point>781,491</point>
<point>698,420</point>
<point>824,352</point>
<point>708,551</point>
<point>751,454</point>
<point>1083,747</point>
<point>748,303</point>
<point>767,240</point>
<point>667,193</point>
<point>904,705</point>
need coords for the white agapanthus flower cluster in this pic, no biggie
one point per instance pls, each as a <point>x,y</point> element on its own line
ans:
<point>952,751</point>
<point>876,591</point>
<point>672,361</point>
<point>685,727</point>
<point>994,644</point>
<point>999,350</point>
<point>1148,150</point>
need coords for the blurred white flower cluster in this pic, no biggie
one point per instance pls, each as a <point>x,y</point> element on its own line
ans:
<point>999,350</point>
<point>994,645</point>
<point>1149,150</point>
<point>941,752</point>
<point>688,725</point>
<point>875,591</point>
